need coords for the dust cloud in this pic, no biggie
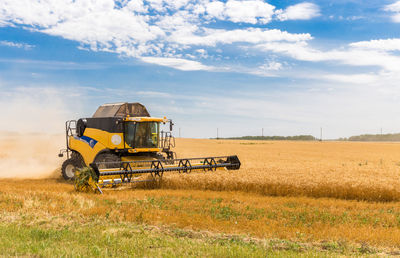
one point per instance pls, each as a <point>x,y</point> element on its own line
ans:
<point>30,155</point>
<point>32,131</point>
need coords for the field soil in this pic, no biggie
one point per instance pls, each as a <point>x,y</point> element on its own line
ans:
<point>289,198</point>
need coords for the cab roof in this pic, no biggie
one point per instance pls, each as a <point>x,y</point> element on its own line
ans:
<point>122,110</point>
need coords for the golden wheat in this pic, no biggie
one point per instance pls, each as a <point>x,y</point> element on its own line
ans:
<point>239,202</point>
<point>345,170</point>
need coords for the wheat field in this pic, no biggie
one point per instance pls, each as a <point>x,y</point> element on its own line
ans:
<point>318,197</point>
<point>343,170</point>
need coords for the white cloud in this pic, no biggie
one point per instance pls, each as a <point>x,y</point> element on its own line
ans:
<point>302,11</point>
<point>177,63</point>
<point>97,24</point>
<point>216,9</point>
<point>271,66</point>
<point>16,44</point>
<point>5,24</point>
<point>350,56</point>
<point>349,78</point>
<point>165,32</point>
<point>394,8</point>
<point>379,44</point>
<point>249,11</point>
<point>202,53</point>
<point>211,37</point>
<point>136,6</point>
<point>252,11</point>
<point>160,29</point>
<point>109,31</point>
<point>396,18</point>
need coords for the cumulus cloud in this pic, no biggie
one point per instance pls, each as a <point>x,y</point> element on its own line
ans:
<point>395,9</point>
<point>160,29</point>
<point>216,9</point>
<point>302,11</point>
<point>252,11</point>
<point>180,34</point>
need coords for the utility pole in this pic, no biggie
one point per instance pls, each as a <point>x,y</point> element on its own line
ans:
<point>381,130</point>
<point>320,138</point>
<point>262,132</point>
<point>217,134</point>
<point>179,132</point>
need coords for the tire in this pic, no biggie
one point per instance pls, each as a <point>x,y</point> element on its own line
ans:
<point>111,159</point>
<point>78,157</point>
<point>68,168</point>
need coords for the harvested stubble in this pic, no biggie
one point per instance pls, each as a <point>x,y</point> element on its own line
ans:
<point>345,170</point>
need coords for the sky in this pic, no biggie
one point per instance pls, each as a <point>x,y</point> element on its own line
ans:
<point>289,67</point>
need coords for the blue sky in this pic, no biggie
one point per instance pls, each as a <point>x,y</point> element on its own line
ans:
<point>290,67</point>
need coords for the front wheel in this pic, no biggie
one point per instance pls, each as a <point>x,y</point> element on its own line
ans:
<point>68,169</point>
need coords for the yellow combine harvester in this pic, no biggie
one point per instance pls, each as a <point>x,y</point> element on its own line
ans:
<point>122,143</point>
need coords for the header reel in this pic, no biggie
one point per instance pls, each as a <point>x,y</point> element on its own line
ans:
<point>114,174</point>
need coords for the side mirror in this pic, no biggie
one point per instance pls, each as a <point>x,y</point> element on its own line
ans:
<point>60,155</point>
<point>170,125</point>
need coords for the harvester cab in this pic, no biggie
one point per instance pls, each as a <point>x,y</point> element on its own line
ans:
<point>121,142</point>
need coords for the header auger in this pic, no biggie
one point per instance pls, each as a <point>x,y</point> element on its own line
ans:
<point>122,144</point>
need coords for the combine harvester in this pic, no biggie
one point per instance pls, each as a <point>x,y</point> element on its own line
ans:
<point>122,144</point>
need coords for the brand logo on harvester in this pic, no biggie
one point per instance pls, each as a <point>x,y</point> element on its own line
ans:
<point>116,139</point>
<point>88,140</point>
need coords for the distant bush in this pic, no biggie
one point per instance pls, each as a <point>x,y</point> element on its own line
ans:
<point>376,137</point>
<point>276,138</point>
